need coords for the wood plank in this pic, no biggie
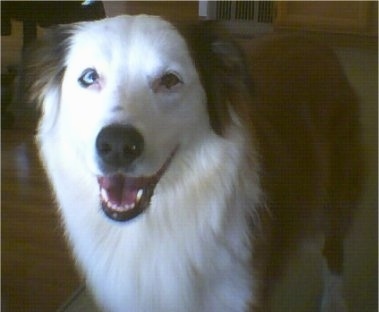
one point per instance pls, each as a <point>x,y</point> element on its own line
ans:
<point>37,271</point>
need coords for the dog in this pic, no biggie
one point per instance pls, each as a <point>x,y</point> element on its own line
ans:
<point>186,169</point>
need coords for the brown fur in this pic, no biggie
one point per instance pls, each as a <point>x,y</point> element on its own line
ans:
<point>297,102</point>
<point>306,118</point>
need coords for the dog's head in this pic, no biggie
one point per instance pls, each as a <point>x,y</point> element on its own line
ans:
<point>130,94</point>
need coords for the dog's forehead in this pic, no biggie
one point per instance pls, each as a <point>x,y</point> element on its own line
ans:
<point>125,36</point>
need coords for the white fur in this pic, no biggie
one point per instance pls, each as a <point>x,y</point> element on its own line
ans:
<point>190,251</point>
<point>332,298</point>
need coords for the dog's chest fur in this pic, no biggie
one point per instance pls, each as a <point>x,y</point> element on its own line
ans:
<point>189,253</point>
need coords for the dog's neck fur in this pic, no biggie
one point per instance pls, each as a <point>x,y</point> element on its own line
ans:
<point>164,267</point>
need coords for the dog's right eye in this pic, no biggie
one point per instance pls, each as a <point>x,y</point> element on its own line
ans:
<point>88,77</point>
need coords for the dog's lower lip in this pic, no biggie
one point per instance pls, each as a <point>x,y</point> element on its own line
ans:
<point>123,198</point>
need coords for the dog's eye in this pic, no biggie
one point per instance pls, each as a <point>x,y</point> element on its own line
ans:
<point>169,80</point>
<point>166,82</point>
<point>88,77</point>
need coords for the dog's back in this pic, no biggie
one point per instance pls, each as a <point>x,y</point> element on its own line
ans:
<point>305,116</point>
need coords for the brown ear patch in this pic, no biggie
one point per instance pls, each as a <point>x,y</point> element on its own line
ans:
<point>222,69</point>
<point>45,64</point>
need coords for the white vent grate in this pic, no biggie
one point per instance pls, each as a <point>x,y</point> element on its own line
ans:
<point>257,11</point>
<point>265,11</point>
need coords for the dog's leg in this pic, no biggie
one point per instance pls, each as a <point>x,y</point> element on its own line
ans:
<point>332,298</point>
<point>346,173</point>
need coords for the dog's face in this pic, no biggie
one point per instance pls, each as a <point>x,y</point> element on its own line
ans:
<point>132,96</point>
<point>130,100</point>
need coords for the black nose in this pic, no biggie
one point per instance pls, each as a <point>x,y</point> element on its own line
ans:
<point>119,145</point>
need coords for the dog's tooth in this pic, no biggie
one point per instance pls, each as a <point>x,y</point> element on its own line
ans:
<point>139,195</point>
<point>129,206</point>
<point>115,207</point>
<point>104,194</point>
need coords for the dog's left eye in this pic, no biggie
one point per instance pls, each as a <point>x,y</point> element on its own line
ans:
<point>169,80</point>
<point>166,82</point>
<point>88,77</point>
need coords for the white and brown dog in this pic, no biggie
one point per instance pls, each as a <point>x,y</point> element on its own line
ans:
<point>185,175</point>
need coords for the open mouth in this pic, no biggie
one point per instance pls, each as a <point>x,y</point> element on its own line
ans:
<point>124,198</point>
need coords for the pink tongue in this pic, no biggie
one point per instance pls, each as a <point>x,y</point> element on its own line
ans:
<point>129,197</point>
<point>120,190</point>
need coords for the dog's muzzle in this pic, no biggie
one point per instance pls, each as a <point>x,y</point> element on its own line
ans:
<point>123,197</point>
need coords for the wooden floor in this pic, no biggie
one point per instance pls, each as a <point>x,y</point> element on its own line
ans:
<point>37,272</point>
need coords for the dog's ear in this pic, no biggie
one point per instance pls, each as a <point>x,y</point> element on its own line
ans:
<point>223,71</point>
<point>45,64</point>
